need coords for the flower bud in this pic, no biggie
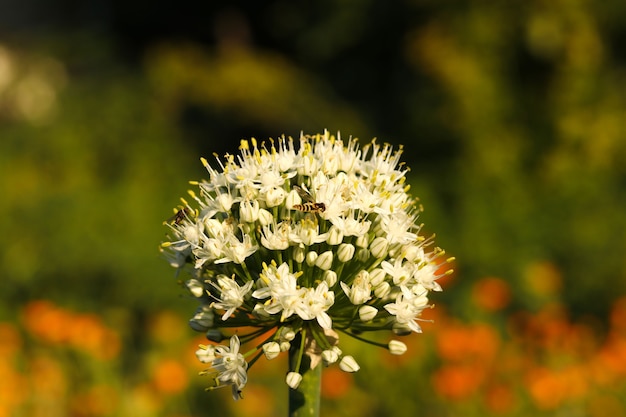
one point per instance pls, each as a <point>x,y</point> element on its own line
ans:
<point>367,313</point>
<point>377,276</point>
<point>363,255</point>
<point>345,252</point>
<point>335,236</point>
<point>325,260</point>
<point>311,257</point>
<point>348,364</point>
<point>379,247</point>
<point>260,312</point>
<point>330,277</point>
<point>298,254</point>
<point>224,202</point>
<point>396,347</point>
<point>287,333</point>
<point>275,196</point>
<point>362,241</point>
<point>214,335</point>
<point>400,329</point>
<point>271,350</point>
<point>249,211</point>
<point>292,199</point>
<point>382,290</point>
<point>284,346</point>
<point>293,379</point>
<point>203,320</point>
<point>329,356</point>
<point>265,217</point>
<point>195,287</point>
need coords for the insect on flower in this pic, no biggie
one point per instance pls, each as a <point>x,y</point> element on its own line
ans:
<point>177,218</point>
<point>309,205</point>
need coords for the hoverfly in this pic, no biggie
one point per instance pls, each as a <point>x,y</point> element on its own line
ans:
<point>309,205</point>
<point>177,218</point>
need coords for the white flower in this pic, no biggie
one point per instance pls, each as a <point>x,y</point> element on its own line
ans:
<point>295,237</point>
<point>206,354</point>
<point>231,366</point>
<point>360,291</point>
<point>400,272</point>
<point>316,303</point>
<point>236,251</point>
<point>307,232</point>
<point>231,295</point>
<point>276,237</point>
<point>407,308</point>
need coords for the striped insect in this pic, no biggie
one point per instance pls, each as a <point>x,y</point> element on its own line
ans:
<point>309,205</point>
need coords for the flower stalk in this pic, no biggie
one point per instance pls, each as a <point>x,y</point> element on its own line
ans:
<point>305,398</point>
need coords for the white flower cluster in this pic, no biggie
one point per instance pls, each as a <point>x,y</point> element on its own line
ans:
<point>321,237</point>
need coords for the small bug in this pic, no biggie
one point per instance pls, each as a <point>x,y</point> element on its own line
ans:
<point>309,205</point>
<point>178,217</point>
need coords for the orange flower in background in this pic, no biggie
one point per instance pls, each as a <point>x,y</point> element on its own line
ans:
<point>456,342</point>
<point>618,317</point>
<point>499,398</point>
<point>458,382</point>
<point>86,332</point>
<point>170,377</point>
<point>10,340</point>
<point>335,383</point>
<point>46,321</point>
<point>491,294</point>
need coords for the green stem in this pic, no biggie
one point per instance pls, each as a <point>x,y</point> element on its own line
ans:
<point>305,400</point>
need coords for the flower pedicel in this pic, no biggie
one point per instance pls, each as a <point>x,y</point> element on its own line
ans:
<point>302,243</point>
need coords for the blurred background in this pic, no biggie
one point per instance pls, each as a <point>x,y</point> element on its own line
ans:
<point>513,119</point>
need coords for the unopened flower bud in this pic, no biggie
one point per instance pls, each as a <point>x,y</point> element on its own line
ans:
<point>265,217</point>
<point>345,252</point>
<point>275,196</point>
<point>195,287</point>
<point>293,379</point>
<point>335,236</point>
<point>363,255</point>
<point>299,254</point>
<point>330,277</point>
<point>362,241</point>
<point>325,260</point>
<point>329,356</point>
<point>292,199</point>
<point>396,347</point>
<point>367,313</point>
<point>401,329</point>
<point>249,211</point>
<point>348,364</point>
<point>287,333</point>
<point>311,257</point>
<point>379,247</point>
<point>377,276</point>
<point>382,290</point>
<point>214,335</point>
<point>203,320</point>
<point>271,350</point>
